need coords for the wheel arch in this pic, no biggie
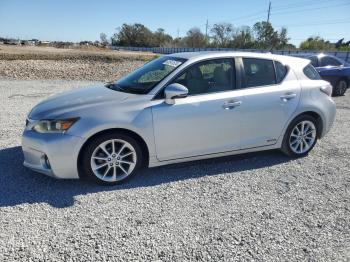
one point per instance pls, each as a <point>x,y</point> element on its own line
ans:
<point>124,131</point>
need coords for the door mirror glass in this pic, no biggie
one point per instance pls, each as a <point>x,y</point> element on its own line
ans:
<point>174,91</point>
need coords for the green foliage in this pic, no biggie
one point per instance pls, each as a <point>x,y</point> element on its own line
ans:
<point>223,35</point>
<point>161,39</point>
<point>133,35</point>
<point>243,38</point>
<point>195,38</point>
<point>267,38</point>
<point>317,43</point>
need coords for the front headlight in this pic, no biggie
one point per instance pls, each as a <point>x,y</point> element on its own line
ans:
<point>54,126</point>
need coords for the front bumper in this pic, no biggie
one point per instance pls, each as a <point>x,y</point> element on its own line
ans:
<point>61,150</point>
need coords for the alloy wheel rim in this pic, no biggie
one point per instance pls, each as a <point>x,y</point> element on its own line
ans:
<point>302,137</point>
<point>113,160</point>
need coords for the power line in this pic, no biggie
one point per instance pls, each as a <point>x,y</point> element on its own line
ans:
<point>310,9</point>
<point>252,16</point>
<point>316,24</point>
<point>262,12</point>
<point>299,4</point>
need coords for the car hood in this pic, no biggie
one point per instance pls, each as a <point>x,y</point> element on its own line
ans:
<point>78,99</point>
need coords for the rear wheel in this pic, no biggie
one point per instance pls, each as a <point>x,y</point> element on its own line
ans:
<point>340,88</point>
<point>300,137</point>
<point>111,159</point>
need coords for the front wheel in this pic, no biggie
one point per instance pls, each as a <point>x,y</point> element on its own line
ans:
<point>300,137</point>
<point>111,159</point>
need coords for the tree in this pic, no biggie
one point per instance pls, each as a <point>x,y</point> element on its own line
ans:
<point>222,34</point>
<point>195,38</point>
<point>267,37</point>
<point>315,43</point>
<point>161,39</point>
<point>103,38</point>
<point>243,38</point>
<point>282,38</point>
<point>133,35</point>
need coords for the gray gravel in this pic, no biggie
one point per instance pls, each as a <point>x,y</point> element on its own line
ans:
<point>67,69</point>
<point>261,206</point>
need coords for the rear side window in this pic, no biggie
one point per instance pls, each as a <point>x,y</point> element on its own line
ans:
<point>311,72</point>
<point>258,72</point>
<point>281,72</point>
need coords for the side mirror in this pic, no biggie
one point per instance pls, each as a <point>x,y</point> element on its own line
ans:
<point>173,91</point>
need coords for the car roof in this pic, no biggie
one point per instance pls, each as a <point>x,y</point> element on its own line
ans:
<point>217,54</point>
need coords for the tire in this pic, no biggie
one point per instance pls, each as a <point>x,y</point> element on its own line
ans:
<point>297,145</point>
<point>101,164</point>
<point>340,88</point>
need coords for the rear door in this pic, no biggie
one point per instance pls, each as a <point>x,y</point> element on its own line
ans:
<point>271,96</point>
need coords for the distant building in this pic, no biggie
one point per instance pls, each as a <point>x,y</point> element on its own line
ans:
<point>44,43</point>
<point>12,42</point>
<point>31,42</point>
<point>86,43</point>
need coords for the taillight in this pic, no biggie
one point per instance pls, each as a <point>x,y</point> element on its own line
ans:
<point>327,90</point>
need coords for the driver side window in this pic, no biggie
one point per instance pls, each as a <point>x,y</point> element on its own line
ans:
<point>209,77</point>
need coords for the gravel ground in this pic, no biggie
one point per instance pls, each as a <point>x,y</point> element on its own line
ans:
<point>261,206</point>
<point>67,69</point>
<point>32,62</point>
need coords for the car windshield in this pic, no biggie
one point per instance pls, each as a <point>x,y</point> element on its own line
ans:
<point>144,79</point>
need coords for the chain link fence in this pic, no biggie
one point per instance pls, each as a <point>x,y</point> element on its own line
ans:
<point>168,50</point>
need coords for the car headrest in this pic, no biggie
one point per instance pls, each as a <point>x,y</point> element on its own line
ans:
<point>194,73</point>
<point>220,76</point>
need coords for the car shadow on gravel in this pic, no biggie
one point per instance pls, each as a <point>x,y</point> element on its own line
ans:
<point>18,185</point>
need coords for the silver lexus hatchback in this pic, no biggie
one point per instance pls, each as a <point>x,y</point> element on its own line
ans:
<point>178,108</point>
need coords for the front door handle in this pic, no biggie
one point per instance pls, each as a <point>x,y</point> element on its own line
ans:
<point>231,104</point>
<point>288,96</point>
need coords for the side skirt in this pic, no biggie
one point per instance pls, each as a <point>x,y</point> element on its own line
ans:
<point>155,162</point>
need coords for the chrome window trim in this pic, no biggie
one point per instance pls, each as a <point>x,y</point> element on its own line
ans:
<point>240,76</point>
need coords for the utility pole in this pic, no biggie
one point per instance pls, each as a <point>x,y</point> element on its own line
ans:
<point>206,30</point>
<point>269,12</point>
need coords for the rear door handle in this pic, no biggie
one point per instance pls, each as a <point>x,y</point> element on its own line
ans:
<point>288,96</point>
<point>231,104</point>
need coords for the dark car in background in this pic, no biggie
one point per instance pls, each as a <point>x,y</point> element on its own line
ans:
<point>333,70</point>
